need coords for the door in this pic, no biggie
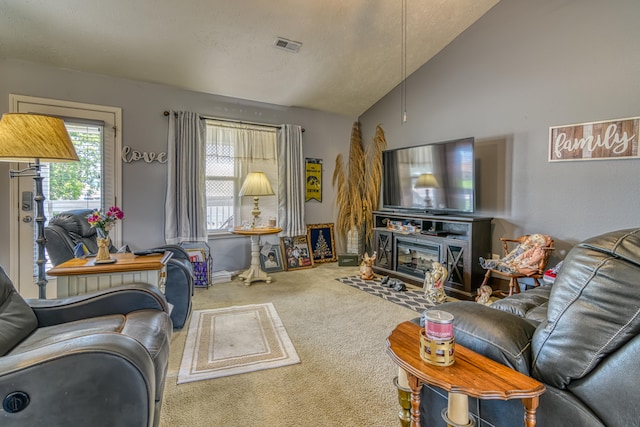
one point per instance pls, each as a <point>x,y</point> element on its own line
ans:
<point>94,183</point>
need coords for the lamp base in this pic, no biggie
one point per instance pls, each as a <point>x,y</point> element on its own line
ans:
<point>255,212</point>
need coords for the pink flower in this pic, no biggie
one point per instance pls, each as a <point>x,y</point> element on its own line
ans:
<point>105,221</point>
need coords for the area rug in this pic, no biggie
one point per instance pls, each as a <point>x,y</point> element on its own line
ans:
<point>235,340</point>
<point>411,299</point>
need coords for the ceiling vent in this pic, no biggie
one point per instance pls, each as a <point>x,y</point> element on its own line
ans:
<point>288,45</point>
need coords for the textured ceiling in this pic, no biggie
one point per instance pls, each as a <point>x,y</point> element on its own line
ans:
<point>350,55</point>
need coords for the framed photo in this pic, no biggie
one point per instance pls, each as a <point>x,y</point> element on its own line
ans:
<point>271,259</point>
<point>321,242</point>
<point>295,253</point>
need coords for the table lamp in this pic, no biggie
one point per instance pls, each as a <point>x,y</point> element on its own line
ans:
<point>427,181</point>
<point>256,184</point>
<point>35,138</point>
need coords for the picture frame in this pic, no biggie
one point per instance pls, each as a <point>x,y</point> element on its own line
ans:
<point>295,253</point>
<point>271,262</point>
<point>322,242</point>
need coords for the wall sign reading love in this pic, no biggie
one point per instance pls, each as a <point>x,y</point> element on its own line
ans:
<point>611,139</point>
<point>129,155</point>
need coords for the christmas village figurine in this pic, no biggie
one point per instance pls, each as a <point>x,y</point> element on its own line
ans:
<point>366,269</point>
<point>434,284</point>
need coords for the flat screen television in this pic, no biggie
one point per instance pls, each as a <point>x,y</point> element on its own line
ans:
<point>435,178</point>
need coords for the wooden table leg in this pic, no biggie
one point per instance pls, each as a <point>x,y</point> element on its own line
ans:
<point>254,272</point>
<point>415,385</point>
<point>530,407</point>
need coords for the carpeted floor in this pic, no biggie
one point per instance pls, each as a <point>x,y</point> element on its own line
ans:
<point>344,378</point>
<point>411,299</point>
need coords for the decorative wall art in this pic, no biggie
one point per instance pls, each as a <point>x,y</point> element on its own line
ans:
<point>295,252</point>
<point>313,179</point>
<point>130,155</point>
<point>604,140</point>
<point>321,242</point>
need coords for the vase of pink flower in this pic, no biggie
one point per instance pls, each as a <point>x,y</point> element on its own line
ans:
<point>103,223</point>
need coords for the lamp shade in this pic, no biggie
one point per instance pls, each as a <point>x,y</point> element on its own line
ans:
<point>27,137</point>
<point>256,184</point>
<point>427,180</point>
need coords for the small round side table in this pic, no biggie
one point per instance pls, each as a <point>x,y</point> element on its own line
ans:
<point>255,273</point>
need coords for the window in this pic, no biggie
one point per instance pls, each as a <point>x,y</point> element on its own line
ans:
<point>233,150</point>
<point>76,185</point>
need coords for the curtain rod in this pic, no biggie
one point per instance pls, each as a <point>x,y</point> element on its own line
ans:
<point>166,113</point>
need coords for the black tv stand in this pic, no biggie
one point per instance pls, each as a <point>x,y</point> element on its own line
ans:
<point>407,243</point>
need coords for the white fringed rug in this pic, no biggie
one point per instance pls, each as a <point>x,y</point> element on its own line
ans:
<point>235,340</point>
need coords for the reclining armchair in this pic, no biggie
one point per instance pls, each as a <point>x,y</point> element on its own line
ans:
<point>96,359</point>
<point>578,336</point>
<point>69,228</point>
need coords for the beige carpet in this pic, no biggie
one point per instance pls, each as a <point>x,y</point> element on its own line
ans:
<point>235,340</point>
<point>344,378</point>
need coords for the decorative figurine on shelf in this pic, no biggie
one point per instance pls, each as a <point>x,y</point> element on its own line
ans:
<point>484,295</point>
<point>434,284</point>
<point>366,268</point>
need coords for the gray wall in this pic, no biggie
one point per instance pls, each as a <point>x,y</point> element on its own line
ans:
<point>145,129</point>
<point>523,67</point>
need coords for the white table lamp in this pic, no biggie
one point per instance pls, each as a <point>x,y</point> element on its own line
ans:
<point>256,184</point>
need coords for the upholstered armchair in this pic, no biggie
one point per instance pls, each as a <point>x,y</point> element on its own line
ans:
<point>97,359</point>
<point>69,228</point>
<point>579,336</point>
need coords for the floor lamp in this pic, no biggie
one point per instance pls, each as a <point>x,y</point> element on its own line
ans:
<point>256,184</point>
<point>34,138</point>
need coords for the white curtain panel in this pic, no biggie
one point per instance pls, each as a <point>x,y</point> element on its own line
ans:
<point>185,204</point>
<point>291,186</point>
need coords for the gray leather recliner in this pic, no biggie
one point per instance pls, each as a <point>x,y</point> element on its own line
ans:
<point>579,337</point>
<point>96,359</point>
<point>65,230</point>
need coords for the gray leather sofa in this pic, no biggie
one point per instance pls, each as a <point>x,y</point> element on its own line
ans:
<point>579,337</point>
<point>69,228</point>
<point>94,360</point>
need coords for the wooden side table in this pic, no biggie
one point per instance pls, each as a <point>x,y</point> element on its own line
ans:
<point>470,375</point>
<point>81,275</point>
<point>255,273</point>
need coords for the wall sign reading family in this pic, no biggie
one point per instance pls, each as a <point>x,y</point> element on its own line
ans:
<point>611,139</point>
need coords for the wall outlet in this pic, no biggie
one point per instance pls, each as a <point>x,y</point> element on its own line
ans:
<point>495,256</point>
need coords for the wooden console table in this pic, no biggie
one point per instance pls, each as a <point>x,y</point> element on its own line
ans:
<point>254,272</point>
<point>82,275</point>
<point>471,374</point>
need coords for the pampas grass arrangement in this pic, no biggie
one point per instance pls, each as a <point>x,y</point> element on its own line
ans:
<point>358,184</point>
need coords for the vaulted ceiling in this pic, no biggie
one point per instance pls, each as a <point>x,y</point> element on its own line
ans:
<point>350,55</point>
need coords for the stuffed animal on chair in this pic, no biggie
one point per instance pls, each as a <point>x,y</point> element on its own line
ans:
<point>524,259</point>
<point>366,268</point>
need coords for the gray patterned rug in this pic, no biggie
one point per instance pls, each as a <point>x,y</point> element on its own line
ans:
<point>411,299</point>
